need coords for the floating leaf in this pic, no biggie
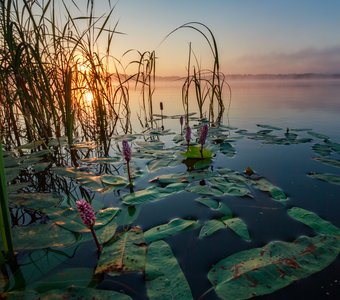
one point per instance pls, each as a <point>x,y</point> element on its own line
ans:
<point>37,264</point>
<point>211,203</point>
<point>329,161</point>
<point>35,200</point>
<point>106,215</point>
<point>322,149</point>
<point>163,163</point>
<point>211,227</point>
<point>318,135</point>
<point>312,220</point>
<point>67,218</point>
<point>80,277</point>
<point>143,196</point>
<point>72,293</point>
<point>264,185</point>
<point>235,224</point>
<point>90,181</point>
<point>215,205</point>
<point>195,152</point>
<point>238,226</point>
<point>165,279</point>
<point>168,229</point>
<point>65,172</point>
<point>125,254</point>
<point>116,181</point>
<point>39,236</point>
<point>331,178</point>
<point>204,190</point>
<point>268,127</point>
<point>264,270</point>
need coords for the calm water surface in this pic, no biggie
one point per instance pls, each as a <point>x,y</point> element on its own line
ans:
<point>293,104</point>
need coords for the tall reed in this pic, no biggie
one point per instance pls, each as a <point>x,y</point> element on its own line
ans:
<point>5,220</point>
<point>208,84</point>
<point>48,63</point>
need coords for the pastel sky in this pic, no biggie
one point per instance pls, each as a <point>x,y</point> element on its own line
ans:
<point>262,36</point>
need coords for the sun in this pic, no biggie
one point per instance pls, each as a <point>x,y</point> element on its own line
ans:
<point>88,98</point>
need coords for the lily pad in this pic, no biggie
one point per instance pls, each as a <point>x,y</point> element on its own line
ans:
<point>275,192</point>
<point>39,236</point>
<point>80,277</point>
<point>329,161</point>
<point>195,152</point>
<point>70,293</point>
<point>35,200</point>
<point>312,220</point>
<point>235,224</point>
<point>238,226</point>
<point>165,279</point>
<point>264,270</point>
<point>268,127</point>
<point>143,196</point>
<point>168,229</point>
<point>331,178</point>
<point>318,135</point>
<point>125,254</point>
<point>215,205</point>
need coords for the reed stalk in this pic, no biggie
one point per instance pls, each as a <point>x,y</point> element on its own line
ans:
<point>5,220</point>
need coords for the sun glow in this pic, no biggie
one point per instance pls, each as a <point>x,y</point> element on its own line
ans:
<point>87,98</point>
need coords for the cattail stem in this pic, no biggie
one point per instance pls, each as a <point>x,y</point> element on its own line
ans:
<point>99,246</point>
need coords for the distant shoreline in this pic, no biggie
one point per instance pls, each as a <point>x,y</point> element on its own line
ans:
<point>264,76</point>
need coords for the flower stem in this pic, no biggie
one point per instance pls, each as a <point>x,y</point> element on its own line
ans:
<point>129,173</point>
<point>99,247</point>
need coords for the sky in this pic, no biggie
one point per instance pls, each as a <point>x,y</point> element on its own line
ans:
<point>253,36</point>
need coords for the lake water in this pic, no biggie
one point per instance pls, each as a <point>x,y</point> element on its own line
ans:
<point>294,104</point>
<point>275,127</point>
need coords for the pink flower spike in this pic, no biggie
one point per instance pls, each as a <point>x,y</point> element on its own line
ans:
<point>126,150</point>
<point>204,134</point>
<point>86,213</point>
<point>188,134</point>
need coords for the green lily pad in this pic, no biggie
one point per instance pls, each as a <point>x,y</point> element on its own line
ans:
<point>116,181</point>
<point>331,178</point>
<point>268,127</point>
<point>235,224</point>
<point>39,236</point>
<point>322,149</point>
<point>275,192</point>
<point>261,271</point>
<point>204,190</point>
<point>318,135</point>
<point>67,218</point>
<point>238,226</point>
<point>70,293</point>
<point>80,277</point>
<point>125,254</point>
<point>163,162</point>
<point>35,200</point>
<point>312,220</point>
<point>143,196</point>
<point>329,161</point>
<point>168,229</point>
<point>215,205</point>
<point>227,149</point>
<point>195,152</point>
<point>210,227</point>
<point>164,277</point>
<point>35,265</point>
